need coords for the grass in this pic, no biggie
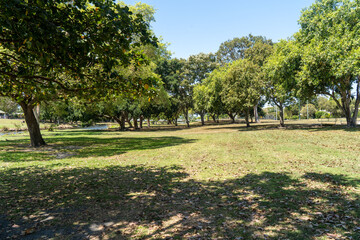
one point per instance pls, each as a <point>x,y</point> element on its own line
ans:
<point>217,181</point>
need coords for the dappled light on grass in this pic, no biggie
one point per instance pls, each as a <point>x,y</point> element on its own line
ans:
<point>83,147</point>
<point>205,182</point>
<point>142,202</point>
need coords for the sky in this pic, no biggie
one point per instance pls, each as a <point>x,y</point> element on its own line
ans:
<point>195,26</point>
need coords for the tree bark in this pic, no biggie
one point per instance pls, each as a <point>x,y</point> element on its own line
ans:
<point>282,120</point>
<point>120,121</point>
<point>33,126</point>
<point>353,122</point>
<point>136,123</point>
<point>232,117</point>
<point>213,117</point>
<point>141,121</point>
<point>37,113</point>
<point>202,119</point>
<point>148,122</point>
<point>247,113</point>
<point>256,114</point>
<point>128,120</point>
<point>186,115</point>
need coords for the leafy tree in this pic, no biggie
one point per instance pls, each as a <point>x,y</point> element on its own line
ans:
<point>56,48</point>
<point>213,89</point>
<point>199,66</point>
<point>172,72</point>
<point>258,54</point>
<point>200,101</point>
<point>242,87</point>
<point>234,49</point>
<point>280,75</point>
<point>8,106</point>
<point>308,110</point>
<point>330,54</point>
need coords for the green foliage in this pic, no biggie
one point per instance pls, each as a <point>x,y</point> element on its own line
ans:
<point>235,49</point>
<point>329,37</point>
<point>280,73</point>
<point>242,86</point>
<point>8,106</point>
<point>308,110</point>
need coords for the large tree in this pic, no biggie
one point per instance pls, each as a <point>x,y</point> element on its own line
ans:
<point>330,34</point>
<point>280,75</point>
<point>242,86</point>
<point>60,47</point>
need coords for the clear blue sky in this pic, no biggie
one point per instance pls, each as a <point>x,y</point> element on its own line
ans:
<point>194,26</point>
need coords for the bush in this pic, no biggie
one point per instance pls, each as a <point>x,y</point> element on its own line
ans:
<point>319,114</point>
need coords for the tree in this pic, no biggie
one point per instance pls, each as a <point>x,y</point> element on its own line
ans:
<point>199,66</point>
<point>308,111</point>
<point>61,48</point>
<point>8,106</point>
<point>234,49</point>
<point>280,75</point>
<point>200,101</point>
<point>213,92</point>
<point>242,87</point>
<point>258,54</point>
<point>330,54</point>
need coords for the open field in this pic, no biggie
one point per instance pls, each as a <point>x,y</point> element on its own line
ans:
<point>218,181</point>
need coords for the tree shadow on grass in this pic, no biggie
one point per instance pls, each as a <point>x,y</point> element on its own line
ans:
<point>82,147</point>
<point>142,202</point>
<point>271,126</point>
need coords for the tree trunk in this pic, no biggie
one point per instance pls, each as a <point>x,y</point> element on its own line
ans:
<point>128,120</point>
<point>256,114</point>
<point>175,122</point>
<point>282,121</point>
<point>247,113</point>
<point>33,126</point>
<point>148,122</point>
<point>136,123</point>
<point>123,120</point>
<point>202,115</point>
<point>141,121</point>
<point>353,122</point>
<point>232,117</point>
<point>37,113</point>
<point>214,118</point>
<point>186,114</point>
<point>120,121</point>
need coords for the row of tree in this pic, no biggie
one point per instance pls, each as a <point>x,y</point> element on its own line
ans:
<point>322,58</point>
<point>100,59</point>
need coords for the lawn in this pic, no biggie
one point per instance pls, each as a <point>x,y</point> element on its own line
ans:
<point>217,181</point>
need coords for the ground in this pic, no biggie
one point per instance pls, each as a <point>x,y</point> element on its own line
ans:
<point>212,182</point>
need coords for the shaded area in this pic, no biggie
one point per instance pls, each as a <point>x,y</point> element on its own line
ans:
<point>272,126</point>
<point>143,202</point>
<point>68,145</point>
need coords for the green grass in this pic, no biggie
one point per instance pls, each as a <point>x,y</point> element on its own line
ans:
<point>224,181</point>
